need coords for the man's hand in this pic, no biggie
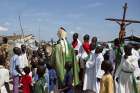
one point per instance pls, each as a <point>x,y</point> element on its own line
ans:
<point>18,70</point>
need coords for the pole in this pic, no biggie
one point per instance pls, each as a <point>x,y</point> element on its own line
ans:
<point>39,33</point>
<point>22,32</point>
<point>124,13</point>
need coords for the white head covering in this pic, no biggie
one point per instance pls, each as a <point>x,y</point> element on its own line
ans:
<point>62,34</point>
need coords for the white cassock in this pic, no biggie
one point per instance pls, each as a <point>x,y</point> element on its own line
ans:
<point>93,71</point>
<point>124,74</point>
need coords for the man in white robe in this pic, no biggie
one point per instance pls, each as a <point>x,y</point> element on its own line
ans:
<point>84,55</point>
<point>93,71</point>
<point>93,44</point>
<point>125,71</point>
<point>84,51</point>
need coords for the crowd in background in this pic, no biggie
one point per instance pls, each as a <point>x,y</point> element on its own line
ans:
<point>102,68</point>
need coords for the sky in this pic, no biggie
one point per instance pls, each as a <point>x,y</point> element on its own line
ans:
<point>42,18</point>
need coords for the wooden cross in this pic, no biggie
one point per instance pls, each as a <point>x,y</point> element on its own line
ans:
<point>123,23</point>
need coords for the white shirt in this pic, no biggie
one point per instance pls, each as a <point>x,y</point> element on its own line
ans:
<point>24,61</point>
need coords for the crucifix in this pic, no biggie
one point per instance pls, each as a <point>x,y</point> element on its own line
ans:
<point>123,23</point>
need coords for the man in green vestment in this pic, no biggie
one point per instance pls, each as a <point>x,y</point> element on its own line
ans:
<point>118,50</point>
<point>63,52</point>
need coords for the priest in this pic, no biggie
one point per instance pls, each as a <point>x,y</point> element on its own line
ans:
<point>63,52</point>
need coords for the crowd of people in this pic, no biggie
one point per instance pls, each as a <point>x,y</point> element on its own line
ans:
<point>96,68</point>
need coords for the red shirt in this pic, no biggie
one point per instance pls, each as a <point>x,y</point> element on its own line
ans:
<point>86,47</point>
<point>26,80</point>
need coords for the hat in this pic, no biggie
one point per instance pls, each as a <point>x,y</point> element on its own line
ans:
<point>62,28</point>
<point>62,33</point>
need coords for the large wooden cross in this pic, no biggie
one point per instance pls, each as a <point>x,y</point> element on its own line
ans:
<point>123,23</point>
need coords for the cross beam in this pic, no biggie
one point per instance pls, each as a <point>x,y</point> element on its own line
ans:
<point>120,20</point>
<point>123,23</point>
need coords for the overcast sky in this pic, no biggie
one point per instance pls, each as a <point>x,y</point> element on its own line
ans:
<point>81,16</point>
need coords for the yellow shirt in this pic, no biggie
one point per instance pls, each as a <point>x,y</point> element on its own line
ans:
<point>106,84</point>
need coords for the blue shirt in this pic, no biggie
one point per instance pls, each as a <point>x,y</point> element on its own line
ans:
<point>52,78</point>
<point>68,82</point>
<point>15,61</point>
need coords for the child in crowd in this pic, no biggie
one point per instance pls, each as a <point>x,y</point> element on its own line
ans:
<point>40,83</point>
<point>68,88</point>
<point>106,83</point>
<point>52,79</point>
<point>26,81</point>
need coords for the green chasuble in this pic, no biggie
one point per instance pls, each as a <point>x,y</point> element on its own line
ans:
<point>61,58</point>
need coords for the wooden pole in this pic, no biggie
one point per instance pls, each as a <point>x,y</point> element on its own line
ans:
<point>22,32</point>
